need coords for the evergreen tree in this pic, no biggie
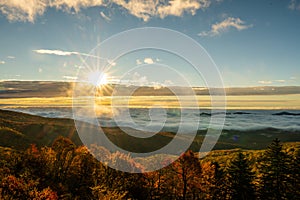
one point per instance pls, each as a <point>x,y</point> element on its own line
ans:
<point>239,179</point>
<point>274,173</point>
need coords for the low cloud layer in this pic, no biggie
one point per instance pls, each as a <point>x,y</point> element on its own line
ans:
<point>225,25</point>
<point>29,10</point>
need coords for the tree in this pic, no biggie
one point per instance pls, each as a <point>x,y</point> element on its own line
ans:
<point>188,171</point>
<point>274,173</point>
<point>239,179</point>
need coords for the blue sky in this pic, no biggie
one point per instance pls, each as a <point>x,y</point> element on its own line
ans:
<point>252,42</point>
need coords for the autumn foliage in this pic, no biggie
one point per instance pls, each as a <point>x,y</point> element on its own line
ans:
<point>66,171</point>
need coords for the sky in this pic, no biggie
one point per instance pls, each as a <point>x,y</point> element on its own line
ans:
<point>253,43</point>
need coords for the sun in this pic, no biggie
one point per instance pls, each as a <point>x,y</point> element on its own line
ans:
<point>97,78</point>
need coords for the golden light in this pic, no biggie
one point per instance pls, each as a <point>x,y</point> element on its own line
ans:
<point>97,78</point>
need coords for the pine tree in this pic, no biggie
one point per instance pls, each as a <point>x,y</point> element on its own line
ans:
<point>239,179</point>
<point>274,173</point>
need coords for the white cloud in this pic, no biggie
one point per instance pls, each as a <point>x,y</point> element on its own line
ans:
<point>137,79</point>
<point>148,61</point>
<point>22,10</point>
<point>105,16</point>
<point>265,82</point>
<point>280,81</point>
<point>2,62</point>
<point>11,57</point>
<point>56,52</point>
<point>40,70</point>
<point>168,83</point>
<point>77,5</point>
<point>69,77</point>
<point>138,62</point>
<point>294,5</point>
<point>28,10</point>
<point>225,25</point>
<point>147,9</point>
<point>178,7</point>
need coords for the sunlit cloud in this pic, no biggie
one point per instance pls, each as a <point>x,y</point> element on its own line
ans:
<point>2,62</point>
<point>105,16</point>
<point>29,10</point>
<point>225,25</point>
<point>22,10</point>
<point>69,77</point>
<point>294,5</point>
<point>56,52</point>
<point>280,81</point>
<point>147,9</point>
<point>148,61</point>
<point>265,82</point>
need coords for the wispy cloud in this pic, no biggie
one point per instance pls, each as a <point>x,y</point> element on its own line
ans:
<point>280,81</point>
<point>105,16</point>
<point>69,77</point>
<point>11,57</point>
<point>294,5</point>
<point>56,52</point>
<point>265,82</point>
<point>28,10</point>
<point>2,62</point>
<point>225,25</point>
<point>139,62</point>
<point>268,82</point>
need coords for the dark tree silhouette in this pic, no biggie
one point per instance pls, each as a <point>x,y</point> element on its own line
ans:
<point>239,179</point>
<point>274,173</point>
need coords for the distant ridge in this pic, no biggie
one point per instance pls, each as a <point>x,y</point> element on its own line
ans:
<point>19,89</point>
<point>19,130</point>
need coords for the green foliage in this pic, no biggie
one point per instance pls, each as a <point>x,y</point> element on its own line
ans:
<point>275,173</point>
<point>239,179</point>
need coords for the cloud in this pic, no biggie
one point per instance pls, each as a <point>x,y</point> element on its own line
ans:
<point>2,62</point>
<point>265,82</point>
<point>148,61</point>
<point>138,62</point>
<point>69,77</point>
<point>56,52</point>
<point>294,5</point>
<point>105,16</point>
<point>225,25</point>
<point>178,7</point>
<point>40,70</point>
<point>77,5</point>
<point>147,9</point>
<point>22,10</point>
<point>280,81</point>
<point>137,79</point>
<point>29,10</point>
<point>11,57</point>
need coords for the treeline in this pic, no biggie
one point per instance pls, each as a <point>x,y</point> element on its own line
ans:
<point>64,171</point>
